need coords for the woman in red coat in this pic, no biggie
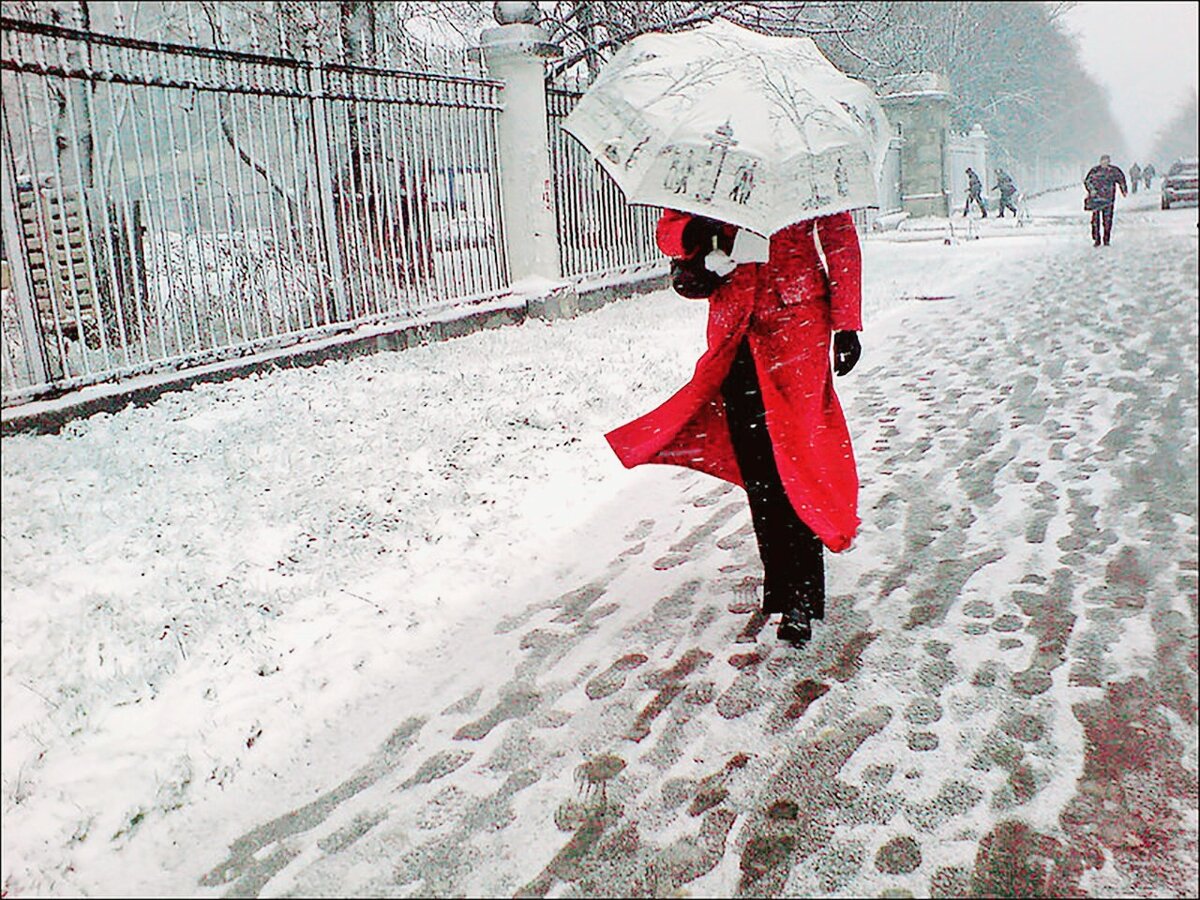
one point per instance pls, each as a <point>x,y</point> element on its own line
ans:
<point>760,410</point>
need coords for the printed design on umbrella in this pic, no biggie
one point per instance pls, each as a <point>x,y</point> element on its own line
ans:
<point>789,99</point>
<point>841,179</point>
<point>816,197</point>
<point>637,148</point>
<point>701,178</point>
<point>722,141</point>
<point>691,80</point>
<point>676,179</point>
<point>743,184</point>
<point>632,130</point>
<point>865,118</point>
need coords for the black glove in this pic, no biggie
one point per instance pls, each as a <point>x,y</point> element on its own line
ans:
<point>698,235</point>
<point>846,351</point>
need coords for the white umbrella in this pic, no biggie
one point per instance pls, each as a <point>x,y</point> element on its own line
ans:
<point>755,130</point>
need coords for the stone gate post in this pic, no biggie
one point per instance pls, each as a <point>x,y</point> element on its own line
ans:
<point>918,106</point>
<point>515,52</point>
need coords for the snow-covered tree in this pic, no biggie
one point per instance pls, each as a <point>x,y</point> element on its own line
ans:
<point>1178,137</point>
<point>1011,66</point>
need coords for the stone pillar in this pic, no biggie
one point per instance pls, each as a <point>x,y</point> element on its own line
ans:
<point>515,53</point>
<point>918,107</point>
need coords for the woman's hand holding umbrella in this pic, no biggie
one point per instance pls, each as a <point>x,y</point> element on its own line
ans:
<point>719,262</point>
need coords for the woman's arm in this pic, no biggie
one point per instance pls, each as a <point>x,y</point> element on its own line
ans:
<point>669,233</point>
<point>843,258</point>
<point>682,235</point>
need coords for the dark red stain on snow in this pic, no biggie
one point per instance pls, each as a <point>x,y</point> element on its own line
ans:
<point>849,659</point>
<point>806,692</point>
<point>1015,861</point>
<point>1175,652</point>
<point>607,856</point>
<point>1125,580</point>
<point>1050,621</point>
<point>1130,801</point>
<point>1022,782</point>
<point>798,822</point>
<point>566,863</point>
<point>764,852</point>
<point>754,625</point>
<point>713,788</point>
<point>670,684</point>
<point>1134,792</point>
<point>745,660</point>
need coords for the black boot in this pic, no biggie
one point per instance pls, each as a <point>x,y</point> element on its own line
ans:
<point>795,628</point>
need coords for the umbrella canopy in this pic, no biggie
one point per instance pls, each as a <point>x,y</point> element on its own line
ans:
<point>755,130</point>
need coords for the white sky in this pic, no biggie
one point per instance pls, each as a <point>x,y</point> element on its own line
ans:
<point>1145,54</point>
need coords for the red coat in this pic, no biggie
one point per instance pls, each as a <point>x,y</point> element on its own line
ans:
<point>788,307</point>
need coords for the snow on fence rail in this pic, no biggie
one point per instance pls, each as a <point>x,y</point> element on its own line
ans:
<point>167,205</point>
<point>599,233</point>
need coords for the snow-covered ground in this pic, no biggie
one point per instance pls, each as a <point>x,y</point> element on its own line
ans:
<point>402,625</point>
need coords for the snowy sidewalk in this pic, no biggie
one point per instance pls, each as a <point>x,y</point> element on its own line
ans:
<point>401,627</point>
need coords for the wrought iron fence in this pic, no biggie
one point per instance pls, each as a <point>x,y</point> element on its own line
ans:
<point>166,205</point>
<point>599,233</point>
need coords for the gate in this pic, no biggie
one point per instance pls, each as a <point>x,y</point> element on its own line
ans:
<point>167,205</point>
<point>600,235</point>
<point>963,150</point>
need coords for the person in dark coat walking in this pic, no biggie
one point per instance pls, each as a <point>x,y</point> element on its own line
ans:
<point>1148,174</point>
<point>1008,192</point>
<point>760,411</point>
<point>1102,182</point>
<point>1135,177</point>
<point>974,192</point>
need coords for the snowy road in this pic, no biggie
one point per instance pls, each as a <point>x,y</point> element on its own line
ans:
<point>1001,700</point>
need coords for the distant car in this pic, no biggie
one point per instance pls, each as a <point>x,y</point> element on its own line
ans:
<point>1179,184</point>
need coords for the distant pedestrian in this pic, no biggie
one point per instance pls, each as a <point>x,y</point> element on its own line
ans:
<point>1135,177</point>
<point>1148,174</point>
<point>1008,192</point>
<point>974,192</point>
<point>1102,182</point>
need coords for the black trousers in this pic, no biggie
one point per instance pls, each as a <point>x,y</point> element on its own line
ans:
<point>793,557</point>
<point>1006,202</point>
<point>971,195</point>
<point>1103,214</point>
